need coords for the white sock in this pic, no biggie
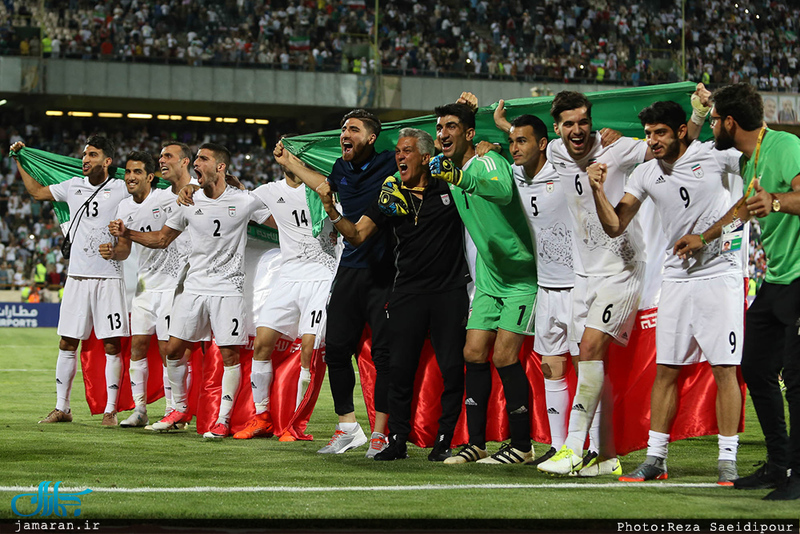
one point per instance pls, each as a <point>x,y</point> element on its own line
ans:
<point>260,380</point>
<point>177,369</point>
<point>348,427</point>
<point>657,444</point>
<point>584,405</point>
<point>556,396</point>
<point>302,385</point>
<point>167,390</point>
<point>113,374</point>
<point>594,430</point>
<point>139,373</point>
<point>66,366</point>
<point>231,378</point>
<point>728,446</point>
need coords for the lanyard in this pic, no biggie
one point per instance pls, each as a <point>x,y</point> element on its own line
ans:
<point>755,166</point>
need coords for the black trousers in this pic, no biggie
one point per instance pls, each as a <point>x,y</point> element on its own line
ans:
<point>772,343</point>
<point>410,318</point>
<point>358,297</point>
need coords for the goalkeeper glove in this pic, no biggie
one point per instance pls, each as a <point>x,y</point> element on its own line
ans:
<point>443,169</point>
<point>391,201</point>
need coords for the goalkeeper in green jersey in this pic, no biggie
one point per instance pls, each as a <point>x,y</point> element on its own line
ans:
<point>505,282</point>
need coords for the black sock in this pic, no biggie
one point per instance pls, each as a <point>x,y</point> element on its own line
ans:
<point>517,391</point>
<point>478,388</point>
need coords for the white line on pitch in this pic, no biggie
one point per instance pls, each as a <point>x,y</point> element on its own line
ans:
<point>321,489</point>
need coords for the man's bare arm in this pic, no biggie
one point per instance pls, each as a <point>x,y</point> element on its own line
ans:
<point>160,239</point>
<point>614,219</point>
<point>36,190</point>
<point>117,252</point>
<point>355,234</point>
<point>292,163</point>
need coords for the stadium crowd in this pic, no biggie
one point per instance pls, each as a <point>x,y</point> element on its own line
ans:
<point>727,41</point>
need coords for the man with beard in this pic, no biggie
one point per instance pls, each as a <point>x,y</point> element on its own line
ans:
<point>771,167</point>
<point>213,299</point>
<point>432,276</point>
<point>363,279</point>
<point>160,271</point>
<point>702,302</point>
<point>505,283</point>
<point>94,294</point>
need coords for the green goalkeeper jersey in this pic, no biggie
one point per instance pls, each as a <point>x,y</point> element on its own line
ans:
<point>490,206</point>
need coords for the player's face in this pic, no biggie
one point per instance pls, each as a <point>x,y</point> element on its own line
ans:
<point>94,161</point>
<point>207,168</point>
<point>172,163</point>
<point>410,162</point>
<point>723,139</point>
<point>454,137</point>
<point>575,128</point>
<point>355,140</point>
<point>664,143</point>
<point>136,178</point>
<point>523,145</point>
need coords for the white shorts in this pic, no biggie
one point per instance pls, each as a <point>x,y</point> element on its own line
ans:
<point>553,318</point>
<point>701,320</point>
<point>98,303</point>
<point>296,308</point>
<point>151,314</point>
<point>197,316</point>
<point>607,303</point>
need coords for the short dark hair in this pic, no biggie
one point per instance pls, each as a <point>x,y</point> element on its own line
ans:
<point>221,154</point>
<point>742,102</point>
<point>103,143</point>
<point>149,163</point>
<point>566,100</point>
<point>537,124</point>
<point>371,122</point>
<point>664,112</point>
<point>186,152</point>
<point>462,111</point>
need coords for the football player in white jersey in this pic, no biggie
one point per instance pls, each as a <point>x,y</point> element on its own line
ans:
<point>213,299</point>
<point>544,202</point>
<point>608,280</point>
<point>159,272</point>
<point>298,301</point>
<point>94,295</point>
<point>701,314</point>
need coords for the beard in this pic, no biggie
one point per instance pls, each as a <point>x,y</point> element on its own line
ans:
<point>724,140</point>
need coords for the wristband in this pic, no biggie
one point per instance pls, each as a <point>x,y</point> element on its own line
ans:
<point>703,239</point>
<point>699,111</point>
<point>337,219</point>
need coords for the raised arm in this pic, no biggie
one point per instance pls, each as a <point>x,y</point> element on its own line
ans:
<point>292,163</point>
<point>499,116</point>
<point>355,234</point>
<point>160,239</point>
<point>36,190</point>
<point>614,219</point>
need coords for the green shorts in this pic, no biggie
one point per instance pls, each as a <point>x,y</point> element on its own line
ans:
<point>514,314</point>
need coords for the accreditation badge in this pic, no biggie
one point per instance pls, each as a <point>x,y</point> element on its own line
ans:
<point>732,235</point>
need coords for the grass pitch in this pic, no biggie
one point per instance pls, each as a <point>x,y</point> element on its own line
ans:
<point>145,477</point>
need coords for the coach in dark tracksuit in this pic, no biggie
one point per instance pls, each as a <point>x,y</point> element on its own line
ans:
<point>429,291</point>
<point>361,286</point>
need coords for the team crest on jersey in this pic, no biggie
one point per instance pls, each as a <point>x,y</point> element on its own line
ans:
<point>697,170</point>
<point>156,213</point>
<point>232,211</point>
<point>445,199</point>
<point>550,186</point>
<point>592,160</point>
<point>106,193</point>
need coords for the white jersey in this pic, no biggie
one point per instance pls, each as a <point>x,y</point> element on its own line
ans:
<point>544,202</point>
<point>690,197</point>
<point>218,232</point>
<point>600,254</point>
<point>90,230</point>
<point>305,257</point>
<point>158,269</point>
